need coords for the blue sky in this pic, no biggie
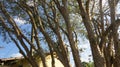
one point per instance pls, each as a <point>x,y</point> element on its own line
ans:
<point>8,49</point>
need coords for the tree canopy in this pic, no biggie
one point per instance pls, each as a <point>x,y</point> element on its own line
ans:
<point>59,24</point>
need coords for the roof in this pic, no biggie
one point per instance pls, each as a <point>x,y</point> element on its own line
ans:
<point>9,60</point>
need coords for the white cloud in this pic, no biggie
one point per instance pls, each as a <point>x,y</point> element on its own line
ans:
<point>19,21</point>
<point>16,55</point>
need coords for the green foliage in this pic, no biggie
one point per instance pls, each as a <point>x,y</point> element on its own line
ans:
<point>88,64</point>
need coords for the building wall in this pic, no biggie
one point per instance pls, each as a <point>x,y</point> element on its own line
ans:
<point>49,60</point>
<point>24,63</point>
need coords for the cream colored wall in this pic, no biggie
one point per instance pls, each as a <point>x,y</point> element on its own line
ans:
<point>49,60</point>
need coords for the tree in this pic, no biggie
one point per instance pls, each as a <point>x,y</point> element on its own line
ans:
<point>51,20</point>
<point>99,36</point>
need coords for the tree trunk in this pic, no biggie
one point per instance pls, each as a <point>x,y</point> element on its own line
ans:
<point>73,44</point>
<point>98,58</point>
<point>115,26</point>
